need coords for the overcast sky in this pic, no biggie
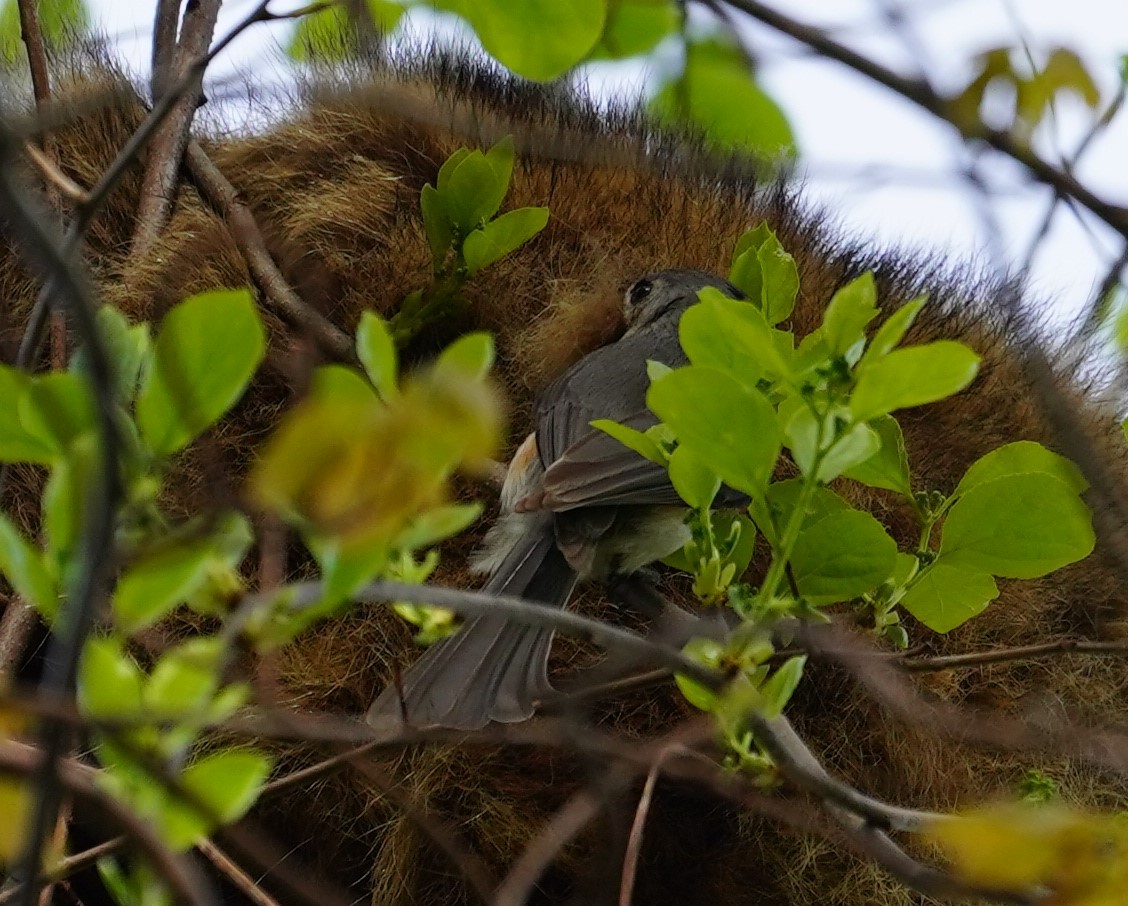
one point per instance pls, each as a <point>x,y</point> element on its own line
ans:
<point>881,167</point>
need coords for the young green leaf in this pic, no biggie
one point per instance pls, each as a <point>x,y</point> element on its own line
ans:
<point>777,690</point>
<point>694,481</point>
<point>537,39</point>
<point>893,330</point>
<point>22,565</point>
<point>912,376</point>
<point>501,236</point>
<point>850,310</point>
<point>729,426</point>
<point>437,524</point>
<point>436,223</point>
<point>377,353</point>
<point>109,681</point>
<point>206,351</point>
<point>474,192</point>
<point>225,784</point>
<point>641,443</point>
<point>151,587</point>
<point>57,409</point>
<point>855,446</point>
<point>65,500</point>
<point>948,594</point>
<point>17,444</point>
<point>780,280</point>
<point>635,27</point>
<point>470,357</point>
<point>1019,458</point>
<point>717,94</point>
<point>184,680</point>
<point>842,555</point>
<point>889,467</point>
<point>126,348</point>
<point>1019,526</point>
<point>709,652</point>
<point>733,336</point>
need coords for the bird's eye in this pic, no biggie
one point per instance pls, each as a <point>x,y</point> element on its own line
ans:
<point>639,291</point>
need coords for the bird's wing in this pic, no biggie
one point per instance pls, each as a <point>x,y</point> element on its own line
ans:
<point>588,467</point>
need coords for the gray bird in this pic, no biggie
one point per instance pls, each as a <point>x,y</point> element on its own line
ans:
<point>576,504</point>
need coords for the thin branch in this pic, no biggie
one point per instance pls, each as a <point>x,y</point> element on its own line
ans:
<point>634,841</point>
<point>558,831</point>
<point>242,881</point>
<point>87,589</point>
<point>921,94</point>
<point>1003,655</point>
<point>471,603</point>
<point>54,176</point>
<point>158,187</point>
<point>78,780</point>
<point>222,196</point>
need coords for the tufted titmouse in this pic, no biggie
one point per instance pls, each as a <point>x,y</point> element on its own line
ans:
<point>575,504</point>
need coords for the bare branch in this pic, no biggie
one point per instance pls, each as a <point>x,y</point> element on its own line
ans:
<point>923,95</point>
<point>1003,655</point>
<point>243,882</point>
<point>222,196</point>
<point>158,187</point>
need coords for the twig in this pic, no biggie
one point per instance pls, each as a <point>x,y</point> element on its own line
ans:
<point>245,884</point>
<point>1002,655</point>
<point>16,626</point>
<point>921,94</point>
<point>69,866</point>
<point>471,603</point>
<point>634,841</point>
<point>158,187</point>
<point>55,177</point>
<point>222,196</point>
<point>87,588</point>
<point>557,832</point>
<point>185,881</point>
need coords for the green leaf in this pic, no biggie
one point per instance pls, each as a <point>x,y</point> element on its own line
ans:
<point>341,384</point>
<point>436,223</point>
<point>126,348</point>
<point>446,171</point>
<point>694,481</point>
<point>470,357</point>
<point>184,680</point>
<point>635,27</point>
<point>22,564</point>
<point>61,24</point>
<point>776,692</point>
<point>537,39</point>
<point>850,310</point>
<point>775,508</point>
<point>152,586</point>
<point>57,409</point>
<point>912,376</point>
<point>732,428</point>
<point>437,524</point>
<point>893,330</point>
<point>889,467</point>
<point>853,447</point>
<point>842,555</point>
<point>377,353</point>
<point>947,595</point>
<point>717,95</point>
<point>752,240</point>
<point>205,355</point>
<point>65,500</point>
<point>733,336</point>
<point>499,237</point>
<point>641,443</point>
<point>226,784</point>
<point>17,444</point>
<point>1020,458</point>
<point>1019,526</point>
<point>474,192</point>
<point>109,681</point>
<point>344,569</point>
<point>780,280</point>
<point>331,35</point>
<point>711,653</point>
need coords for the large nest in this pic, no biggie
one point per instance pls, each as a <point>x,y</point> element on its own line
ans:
<point>335,191</point>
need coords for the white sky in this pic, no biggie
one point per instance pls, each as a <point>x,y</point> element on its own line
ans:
<point>881,167</point>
